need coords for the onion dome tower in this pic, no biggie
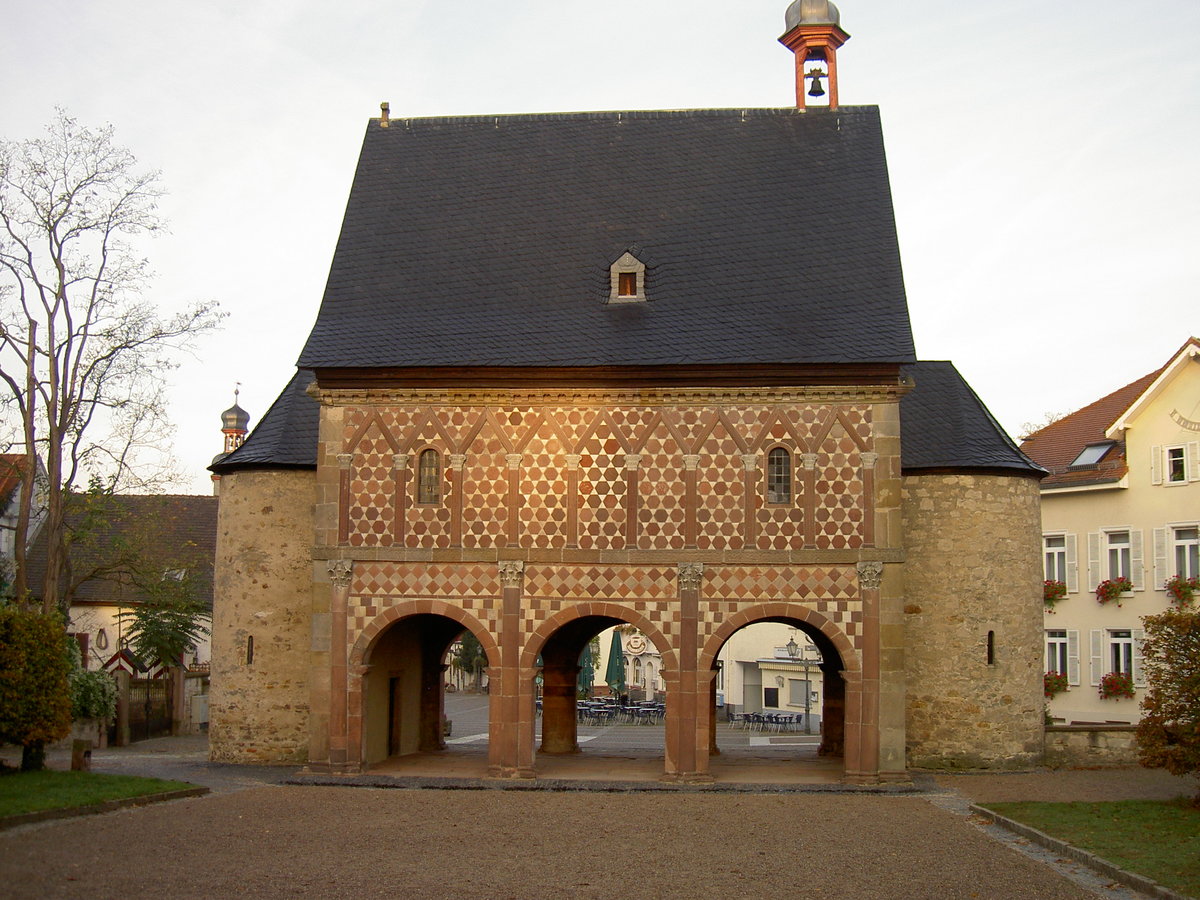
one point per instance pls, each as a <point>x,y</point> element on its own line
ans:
<point>234,425</point>
<point>814,33</point>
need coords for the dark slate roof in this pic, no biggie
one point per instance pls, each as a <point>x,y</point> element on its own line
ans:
<point>171,531</point>
<point>285,437</point>
<point>768,234</point>
<point>944,425</point>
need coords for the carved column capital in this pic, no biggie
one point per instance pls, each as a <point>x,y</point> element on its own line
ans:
<point>340,572</point>
<point>808,460</point>
<point>399,461</point>
<point>691,462</point>
<point>869,460</point>
<point>344,460</point>
<point>870,575</point>
<point>691,576</point>
<point>573,461</point>
<point>750,461</point>
<point>512,573</point>
<point>457,460</point>
<point>632,461</point>
<point>513,460</point>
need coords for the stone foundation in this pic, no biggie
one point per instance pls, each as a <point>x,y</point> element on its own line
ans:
<point>1087,746</point>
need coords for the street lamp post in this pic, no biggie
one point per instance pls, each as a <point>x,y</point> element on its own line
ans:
<point>793,651</point>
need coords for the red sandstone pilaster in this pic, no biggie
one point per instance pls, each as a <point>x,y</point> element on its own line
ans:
<point>750,499</point>
<point>400,499</point>
<point>340,572</point>
<point>514,499</point>
<point>691,501</point>
<point>809,464</point>
<point>632,526</point>
<point>457,461</point>
<point>344,461</point>
<point>573,499</point>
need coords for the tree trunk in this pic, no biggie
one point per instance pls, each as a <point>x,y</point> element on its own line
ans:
<point>33,756</point>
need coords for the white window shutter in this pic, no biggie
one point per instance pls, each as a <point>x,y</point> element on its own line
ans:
<point>1193,461</point>
<point>1139,635</point>
<point>1156,464</point>
<point>1160,558</point>
<point>1137,560</point>
<point>1094,578</point>
<point>1072,657</point>
<point>1097,655</point>
<point>1072,565</point>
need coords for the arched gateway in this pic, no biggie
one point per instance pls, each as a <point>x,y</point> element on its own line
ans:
<point>651,367</point>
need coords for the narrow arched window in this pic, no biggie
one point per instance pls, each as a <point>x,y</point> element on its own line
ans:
<point>429,477</point>
<point>779,476</point>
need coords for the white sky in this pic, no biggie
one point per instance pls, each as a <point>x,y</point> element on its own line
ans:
<point>1043,154</point>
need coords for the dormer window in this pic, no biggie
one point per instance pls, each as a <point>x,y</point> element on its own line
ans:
<point>627,280</point>
<point>1092,454</point>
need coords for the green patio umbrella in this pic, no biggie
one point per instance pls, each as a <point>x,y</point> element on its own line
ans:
<point>614,675</point>
<point>586,671</point>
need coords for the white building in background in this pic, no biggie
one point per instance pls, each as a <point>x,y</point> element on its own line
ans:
<point>1122,501</point>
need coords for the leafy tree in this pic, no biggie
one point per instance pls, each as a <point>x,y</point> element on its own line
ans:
<point>167,622</point>
<point>470,658</point>
<point>35,695</point>
<point>1169,734</point>
<point>82,354</point>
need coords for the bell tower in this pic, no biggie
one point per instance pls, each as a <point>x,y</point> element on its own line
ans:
<point>814,33</point>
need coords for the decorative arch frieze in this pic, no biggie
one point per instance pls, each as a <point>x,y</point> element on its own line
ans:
<point>406,609</point>
<point>537,640</point>
<point>851,662</point>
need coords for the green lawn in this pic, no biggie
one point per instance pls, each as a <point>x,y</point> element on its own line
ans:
<point>1157,839</point>
<point>25,792</point>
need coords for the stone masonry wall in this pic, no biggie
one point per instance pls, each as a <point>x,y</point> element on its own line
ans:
<point>973,570</point>
<point>259,706</point>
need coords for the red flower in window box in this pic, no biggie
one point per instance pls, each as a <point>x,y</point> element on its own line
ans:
<point>1117,686</point>
<point>1055,683</point>
<point>1110,590</point>
<point>1052,592</point>
<point>1182,591</point>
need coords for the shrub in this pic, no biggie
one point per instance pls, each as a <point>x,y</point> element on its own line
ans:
<point>35,694</point>
<point>1169,734</point>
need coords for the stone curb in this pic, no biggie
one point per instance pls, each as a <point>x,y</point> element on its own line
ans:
<point>416,782</point>
<point>1139,883</point>
<point>71,812</point>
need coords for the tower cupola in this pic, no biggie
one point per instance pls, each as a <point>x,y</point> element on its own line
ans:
<point>814,34</point>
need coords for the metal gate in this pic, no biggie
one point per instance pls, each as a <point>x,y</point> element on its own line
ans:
<point>149,708</point>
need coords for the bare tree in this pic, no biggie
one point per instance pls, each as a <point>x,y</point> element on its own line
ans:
<point>82,353</point>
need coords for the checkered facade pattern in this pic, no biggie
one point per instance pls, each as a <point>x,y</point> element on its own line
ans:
<point>649,591</point>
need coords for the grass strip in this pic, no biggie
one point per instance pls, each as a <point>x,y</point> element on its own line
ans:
<point>1159,839</point>
<point>28,792</point>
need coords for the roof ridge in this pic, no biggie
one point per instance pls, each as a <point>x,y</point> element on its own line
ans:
<point>605,114</point>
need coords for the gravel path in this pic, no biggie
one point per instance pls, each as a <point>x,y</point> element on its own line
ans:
<point>336,842</point>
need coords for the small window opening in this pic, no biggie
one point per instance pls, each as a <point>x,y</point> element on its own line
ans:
<point>779,476</point>
<point>1176,466</point>
<point>429,477</point>
<point>627,284</point>
<point>991,648</point>
<point>250,650</point>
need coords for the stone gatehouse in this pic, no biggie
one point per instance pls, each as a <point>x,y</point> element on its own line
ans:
<point>654,368</point>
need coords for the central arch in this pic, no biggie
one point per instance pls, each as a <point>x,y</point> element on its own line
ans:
<point>558,643</point>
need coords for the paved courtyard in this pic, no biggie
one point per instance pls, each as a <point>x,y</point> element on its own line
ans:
<point>255,836</point>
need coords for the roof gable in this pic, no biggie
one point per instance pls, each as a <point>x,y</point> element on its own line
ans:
<point>769,236</point>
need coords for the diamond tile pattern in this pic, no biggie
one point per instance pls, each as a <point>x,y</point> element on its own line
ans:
<point>658,436</point>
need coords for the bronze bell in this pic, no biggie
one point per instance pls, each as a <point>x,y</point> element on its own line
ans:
<point>816,90</point>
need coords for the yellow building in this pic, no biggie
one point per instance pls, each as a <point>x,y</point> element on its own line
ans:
<point>1122,501</point>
